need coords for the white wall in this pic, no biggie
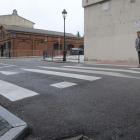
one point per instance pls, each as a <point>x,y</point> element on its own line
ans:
<point>110,35</point>
<point>89,2</point>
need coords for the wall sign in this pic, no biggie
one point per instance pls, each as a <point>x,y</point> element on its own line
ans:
<point>105,6</point>
<point>137,24</point>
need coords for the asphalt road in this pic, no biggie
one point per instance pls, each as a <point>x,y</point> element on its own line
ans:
<point>104,106</point>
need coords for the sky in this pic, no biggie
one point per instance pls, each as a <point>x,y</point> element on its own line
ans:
<point>47,14</point>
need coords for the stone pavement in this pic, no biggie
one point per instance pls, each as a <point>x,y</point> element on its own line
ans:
<point>4,126</point>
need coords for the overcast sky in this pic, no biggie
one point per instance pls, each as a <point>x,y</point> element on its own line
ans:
<point>47,14</point>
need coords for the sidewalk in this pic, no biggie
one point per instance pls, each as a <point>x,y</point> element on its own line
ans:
<point>119,63</point>
<point>4,126</point>
<point>11,127</point>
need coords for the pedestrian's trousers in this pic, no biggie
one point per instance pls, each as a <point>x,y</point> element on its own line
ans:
<point>139,56</point>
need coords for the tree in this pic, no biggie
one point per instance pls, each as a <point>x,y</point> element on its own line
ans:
<point>78,34</point>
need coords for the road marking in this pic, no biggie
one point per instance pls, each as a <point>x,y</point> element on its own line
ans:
<point>76,76</point>
<point>5,67</point>
<point>7,64</point>
<point>14,92</point>
<point>63,85</point>
<point>8,73</point>
<point>93,68</point>
<point>135,68</point>
<point>91,71</point>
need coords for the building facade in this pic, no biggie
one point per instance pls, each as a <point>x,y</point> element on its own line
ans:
<point>110,29</point>
<point>15,19</point>
<point>26,40</point>
<point>32,41</point>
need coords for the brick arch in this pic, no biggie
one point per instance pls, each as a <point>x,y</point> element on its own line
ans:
<point>40,46</point>
<point>24,45</point>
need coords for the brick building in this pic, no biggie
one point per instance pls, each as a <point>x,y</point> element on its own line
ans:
<point>24,38</point>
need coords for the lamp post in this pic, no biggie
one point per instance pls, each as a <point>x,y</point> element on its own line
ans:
<point>64,13</point>
<point>9,44</point>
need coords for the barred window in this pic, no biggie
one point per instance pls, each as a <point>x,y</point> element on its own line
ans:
<point>56,46</point>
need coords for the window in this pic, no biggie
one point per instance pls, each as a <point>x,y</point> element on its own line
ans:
<point>70,46</point>
<point>81,46</point>
<point>56,46</point>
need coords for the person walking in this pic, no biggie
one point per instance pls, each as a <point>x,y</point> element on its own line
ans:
<point>137,46</point>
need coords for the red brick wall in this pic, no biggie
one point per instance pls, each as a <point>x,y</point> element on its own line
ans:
<point>30,44</point>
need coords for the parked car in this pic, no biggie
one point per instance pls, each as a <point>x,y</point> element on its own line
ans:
<point>76,51</point>
<point>81,51</point>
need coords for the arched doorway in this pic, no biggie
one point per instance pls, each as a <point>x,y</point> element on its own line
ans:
<point>2,50</point>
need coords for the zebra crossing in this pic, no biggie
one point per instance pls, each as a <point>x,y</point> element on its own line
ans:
<point>15,92</point>
<point>114,74</point>
<point>2,65</point>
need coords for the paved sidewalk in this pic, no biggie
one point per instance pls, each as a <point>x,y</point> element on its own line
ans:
<point>11,127</point>
<point>119,63</point>
<point>4,126</point>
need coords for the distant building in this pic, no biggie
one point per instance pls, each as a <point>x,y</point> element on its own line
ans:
<point>26,39</point>
<point>16,20</point>
<point>110,29</point>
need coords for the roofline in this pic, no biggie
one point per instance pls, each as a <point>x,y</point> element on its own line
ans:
<point>36,29</point>
<point>27,19</point>
<point>39,33</point>
<point>95,3</point>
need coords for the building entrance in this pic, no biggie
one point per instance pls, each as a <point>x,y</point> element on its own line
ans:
<point>2,50</point>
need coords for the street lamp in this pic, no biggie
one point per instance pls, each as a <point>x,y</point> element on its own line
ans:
<point>9,44</point>
<point>64,13</point>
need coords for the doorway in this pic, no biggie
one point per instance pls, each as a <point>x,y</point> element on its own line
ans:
<point>2,50</point>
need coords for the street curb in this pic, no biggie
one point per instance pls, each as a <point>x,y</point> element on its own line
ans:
<point>75,138</point>
<point>19,128</point>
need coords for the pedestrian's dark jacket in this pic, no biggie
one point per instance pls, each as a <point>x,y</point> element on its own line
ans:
<point>137,44</point>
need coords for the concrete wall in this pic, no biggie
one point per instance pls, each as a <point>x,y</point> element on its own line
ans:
<point>15,20</point>
<point>110,35</point>
<point>90,2</point>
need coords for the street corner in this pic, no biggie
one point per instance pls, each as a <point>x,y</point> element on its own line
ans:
<point>11,127</point>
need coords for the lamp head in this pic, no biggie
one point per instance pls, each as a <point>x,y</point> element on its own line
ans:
<point>64,13</point>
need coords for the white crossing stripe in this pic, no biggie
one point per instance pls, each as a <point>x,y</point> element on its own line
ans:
<point>7,64</point>
<point>76,76</point>
<point>5,67</point>
<point>8,73</point>
<point>63,85</point>
<point>91,71</point>
<point>135,68</point>
<point>106,69</point>
<point>14,92</point>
